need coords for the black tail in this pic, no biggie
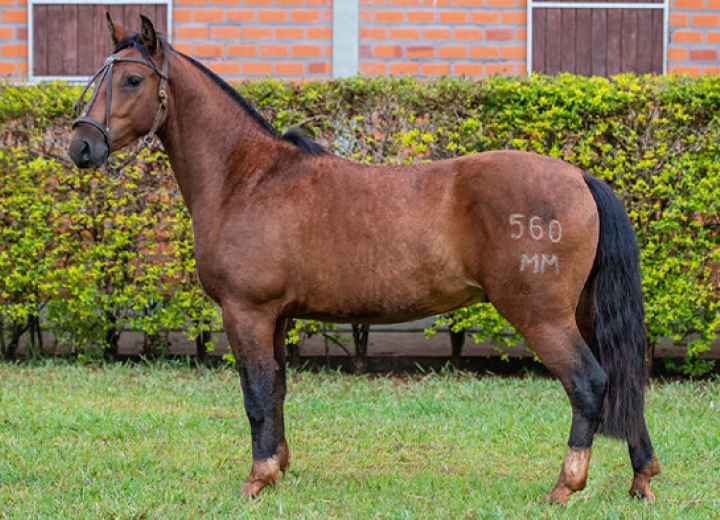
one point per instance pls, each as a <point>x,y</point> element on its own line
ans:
<point>619,342</point>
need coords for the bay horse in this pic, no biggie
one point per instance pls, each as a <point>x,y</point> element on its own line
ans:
<point>284,229</point>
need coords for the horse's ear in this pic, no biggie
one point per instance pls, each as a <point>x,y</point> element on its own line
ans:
<point>117,33</point>
<point>147,34</point>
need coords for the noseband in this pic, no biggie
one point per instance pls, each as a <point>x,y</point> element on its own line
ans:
<point>105,73</point>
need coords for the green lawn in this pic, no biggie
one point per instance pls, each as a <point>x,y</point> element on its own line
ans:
<point>171,442</point>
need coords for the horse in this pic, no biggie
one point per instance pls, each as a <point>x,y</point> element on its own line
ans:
<point>286,229</point>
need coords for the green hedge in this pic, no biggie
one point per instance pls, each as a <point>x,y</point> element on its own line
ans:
<point>93,258</point>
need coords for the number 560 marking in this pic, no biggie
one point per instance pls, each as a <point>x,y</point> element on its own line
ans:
<point>535,226</point>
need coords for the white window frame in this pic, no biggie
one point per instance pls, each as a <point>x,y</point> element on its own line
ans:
<point>32,79</point>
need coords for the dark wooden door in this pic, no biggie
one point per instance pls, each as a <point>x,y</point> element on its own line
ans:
<point>598,42</point>
<point>73,40</point>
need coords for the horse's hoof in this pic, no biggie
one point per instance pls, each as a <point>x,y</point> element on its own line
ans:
<point>642,495</point>
<point>557,496</point>
<point>250,490</point>
<point>641,481</point>
<point>573,476</point>
<point>263,473</point>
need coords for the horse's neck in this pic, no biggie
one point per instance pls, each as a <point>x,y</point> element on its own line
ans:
<point>212,142</point>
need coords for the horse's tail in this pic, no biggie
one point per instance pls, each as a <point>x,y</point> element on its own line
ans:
<point>618,341</point>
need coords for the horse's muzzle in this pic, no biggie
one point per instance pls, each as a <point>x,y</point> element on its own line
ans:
<point>88,148</point>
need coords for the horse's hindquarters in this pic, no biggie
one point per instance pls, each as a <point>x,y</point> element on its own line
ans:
<point>530,231</point>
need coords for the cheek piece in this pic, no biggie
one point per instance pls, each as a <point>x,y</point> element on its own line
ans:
<point>105,73</point>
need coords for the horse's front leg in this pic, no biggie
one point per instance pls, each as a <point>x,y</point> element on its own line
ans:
<point>258,344</point>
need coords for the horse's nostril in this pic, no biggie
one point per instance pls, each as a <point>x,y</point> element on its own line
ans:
<point>85,153</point>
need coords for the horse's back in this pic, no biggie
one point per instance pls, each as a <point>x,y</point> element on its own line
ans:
<point>397,243</point>
<point>376,245</point>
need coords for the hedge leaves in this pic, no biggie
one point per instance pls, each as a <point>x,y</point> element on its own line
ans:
<point>93,259</point>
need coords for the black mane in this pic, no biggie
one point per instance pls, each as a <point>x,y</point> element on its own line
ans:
<point>295,136</point>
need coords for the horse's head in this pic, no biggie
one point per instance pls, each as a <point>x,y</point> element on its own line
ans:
<point>128,100</point>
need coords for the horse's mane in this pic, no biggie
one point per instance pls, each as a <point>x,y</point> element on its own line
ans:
<point>295,136</point>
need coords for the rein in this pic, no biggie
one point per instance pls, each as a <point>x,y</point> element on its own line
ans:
<point>105,73</point>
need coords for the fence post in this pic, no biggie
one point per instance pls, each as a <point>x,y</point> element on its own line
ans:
<point>361,333</point>
<point>457,340</point>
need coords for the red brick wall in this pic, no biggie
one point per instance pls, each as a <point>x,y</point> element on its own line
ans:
<point>257,38</point>
<point>13,39</point>
<point>694,42</point>
<point>293,38</point>
<point>435,37</point>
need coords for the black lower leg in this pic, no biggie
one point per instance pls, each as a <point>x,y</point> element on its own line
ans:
<point>641,452</point>
<point>585,386</point>
<point>586,391</point>
<point>278,405</point>
<point>259,390</point>
<point>279,352</point>
<point>645,464</point>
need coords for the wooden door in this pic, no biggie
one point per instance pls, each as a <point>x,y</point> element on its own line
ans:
<point>72,39</point>
<point>598,41</point>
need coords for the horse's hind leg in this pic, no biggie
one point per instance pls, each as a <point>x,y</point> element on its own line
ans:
<point>584,382</point>
<point>565,353</point>
<point>644,461</point>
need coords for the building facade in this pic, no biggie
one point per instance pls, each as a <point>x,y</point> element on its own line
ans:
<point>315,39</point>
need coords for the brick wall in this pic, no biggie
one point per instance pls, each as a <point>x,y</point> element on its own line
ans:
<point>13,39</point>
<point>435,37</point>
<point>257,38</point>
<point>293,38</point>
<point>694,41</point>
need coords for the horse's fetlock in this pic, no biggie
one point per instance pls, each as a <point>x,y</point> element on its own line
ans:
<point>573,475</point>
<point>263,473</point>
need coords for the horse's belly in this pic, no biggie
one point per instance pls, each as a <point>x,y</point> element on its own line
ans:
<point>387,303</point>
<point>399,272</point>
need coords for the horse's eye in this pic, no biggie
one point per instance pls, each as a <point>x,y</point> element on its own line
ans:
<point>133,81</point>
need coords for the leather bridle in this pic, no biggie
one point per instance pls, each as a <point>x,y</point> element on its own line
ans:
<point>105,73</point>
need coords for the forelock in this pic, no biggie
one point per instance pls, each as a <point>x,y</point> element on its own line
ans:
<point>134,42</point>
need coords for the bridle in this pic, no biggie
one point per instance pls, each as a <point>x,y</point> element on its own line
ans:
<point>105,73</point>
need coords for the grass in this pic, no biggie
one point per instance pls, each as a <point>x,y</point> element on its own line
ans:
<point>139,442</point>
